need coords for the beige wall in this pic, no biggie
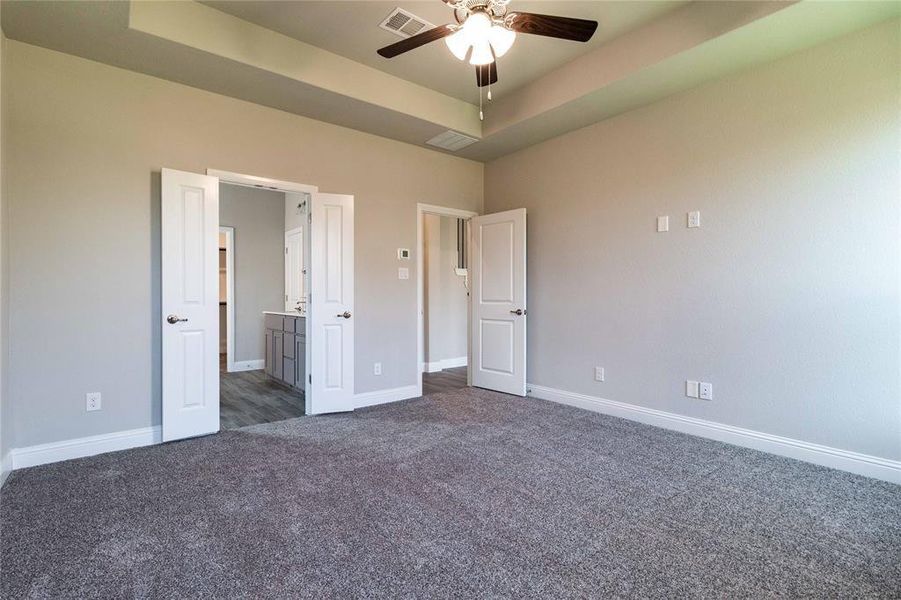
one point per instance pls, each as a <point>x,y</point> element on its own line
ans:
<point>6,437</point>
<point>83,187</point>
<point>445,300</point>
<point>258,217</point>
<point>786,299</point>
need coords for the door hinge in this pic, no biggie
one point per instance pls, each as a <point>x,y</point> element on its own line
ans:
<point>286,250</point>
<point>311,377</point>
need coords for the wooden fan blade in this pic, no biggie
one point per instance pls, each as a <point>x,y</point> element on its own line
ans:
<point>420,39</point>
<point>486,74</point>
<point>565,28</point>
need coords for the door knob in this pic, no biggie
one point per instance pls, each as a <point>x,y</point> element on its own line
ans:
<point>173,319</point>
<point>518,312</point>
<point>345,314</point>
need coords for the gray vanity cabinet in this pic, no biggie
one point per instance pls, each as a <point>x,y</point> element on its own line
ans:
<point>286,349</point>
<point>300,360</point>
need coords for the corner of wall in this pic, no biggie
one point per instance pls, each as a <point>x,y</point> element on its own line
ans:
<point>6,437</point>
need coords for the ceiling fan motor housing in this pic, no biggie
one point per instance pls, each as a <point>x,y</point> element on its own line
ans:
<point>496,9</point>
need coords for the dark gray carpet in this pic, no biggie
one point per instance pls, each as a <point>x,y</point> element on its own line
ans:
<point>463,494</point>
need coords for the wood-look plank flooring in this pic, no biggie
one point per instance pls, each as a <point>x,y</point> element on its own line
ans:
<point>251,397</point>
<point>444,381</point>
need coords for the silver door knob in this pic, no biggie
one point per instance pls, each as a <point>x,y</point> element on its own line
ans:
<point>518,312</point>
<point>173,319</point>
<point>345,314</point>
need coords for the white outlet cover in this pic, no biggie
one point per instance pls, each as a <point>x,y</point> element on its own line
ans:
<point>599,373</point>
<point>377,368</point>
<point>403,273</point>
<point>93,401</point>
<point>662,224</point>
<point>705,391</point>
<point>691,389</point>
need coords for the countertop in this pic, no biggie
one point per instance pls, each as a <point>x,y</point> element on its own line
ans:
<point>284,313</point>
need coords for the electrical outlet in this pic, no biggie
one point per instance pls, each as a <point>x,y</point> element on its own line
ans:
<point>403,273</point>
<point>599,373</point>
<point>694,218</point>
<point>93,401</point>
<point>662,224</point>
<point>705,391</point>
<point>377,368</point>
<point>691,389</point>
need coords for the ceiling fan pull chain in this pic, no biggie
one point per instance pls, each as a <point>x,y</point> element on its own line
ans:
<point>481,114</point>
<point>489,81</point>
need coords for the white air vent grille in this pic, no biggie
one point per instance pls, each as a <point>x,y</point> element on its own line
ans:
<point>404,23</point>
<point>451,140</point>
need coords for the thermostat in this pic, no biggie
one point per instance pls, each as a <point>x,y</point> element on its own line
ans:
<point>403,254</point>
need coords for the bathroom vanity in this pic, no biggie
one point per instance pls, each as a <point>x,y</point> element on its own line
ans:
<point>286,348</point>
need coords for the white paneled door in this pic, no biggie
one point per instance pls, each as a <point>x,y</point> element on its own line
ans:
<point>294,276</point>
<point>190,304</point>
<point>331,303</point>
<point>499,301</point>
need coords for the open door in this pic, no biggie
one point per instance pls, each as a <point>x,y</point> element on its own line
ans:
<point>331,304</point>
<point>498,262</point>
<point>294,292</point>
<point>190,304</point>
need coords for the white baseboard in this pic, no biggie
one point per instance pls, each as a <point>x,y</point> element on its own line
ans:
<point>845,460</point>
<point>32,456</point>
<point>445,363</point>
<point>6,467</point>
<point>384,396</point>
<point>247,365</point>
<point>451,363</point>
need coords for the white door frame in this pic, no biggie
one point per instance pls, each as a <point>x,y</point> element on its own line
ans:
<point>444,211</point>
<point>261,182</point>
<point>229,298</point>
<point>253,181</point>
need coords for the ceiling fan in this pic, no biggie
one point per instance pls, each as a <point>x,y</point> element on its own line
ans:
<point>489,30</point>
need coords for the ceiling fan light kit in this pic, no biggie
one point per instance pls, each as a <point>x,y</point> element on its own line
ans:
<point>488,40</point>
<point>485,31</point>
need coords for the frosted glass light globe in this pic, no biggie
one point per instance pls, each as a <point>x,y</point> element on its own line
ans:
<point>501,39</point>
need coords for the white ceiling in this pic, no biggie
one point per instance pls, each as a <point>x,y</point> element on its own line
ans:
<point>351,29</point>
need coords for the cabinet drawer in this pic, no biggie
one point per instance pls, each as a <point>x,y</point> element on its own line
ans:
<point>276,322</point>
<point>290,324</point>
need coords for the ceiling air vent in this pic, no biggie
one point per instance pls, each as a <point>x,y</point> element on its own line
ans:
<point>404,23</point>
<point>451,140</point>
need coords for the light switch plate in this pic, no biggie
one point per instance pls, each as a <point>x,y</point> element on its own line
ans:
<point>403,254</point>
<point>662,224</point>
<point>599,373</point>
<point>403,273</point>
<point>691,389</point>
<point>694,218</point>
<point>705,391</point>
